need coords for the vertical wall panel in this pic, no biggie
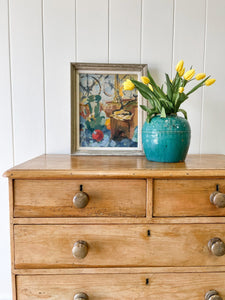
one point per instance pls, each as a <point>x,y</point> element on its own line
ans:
<point>213,125</point>
<point>92,30</point>
<point>189,42</point>
<point>59,51</point>
<point>27,78</point>
<point>157,37</point>
<point>124,31</point>
<point>6,152</point>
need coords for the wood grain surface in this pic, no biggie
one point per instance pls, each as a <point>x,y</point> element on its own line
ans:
<point>120,286</point>
<point>54,198</point>
<point>144,220</point>
<point>180,198</point>
<point>50,246</point>
<point>67,166</point>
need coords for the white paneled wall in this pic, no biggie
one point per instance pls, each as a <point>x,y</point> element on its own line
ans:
<point>189,42</point>
<point>6,157</point>
<point>25,20</point>
<point>58,52</point>
<point>39,39</point>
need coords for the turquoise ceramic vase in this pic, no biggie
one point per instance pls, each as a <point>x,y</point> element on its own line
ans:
<point>166,139</point>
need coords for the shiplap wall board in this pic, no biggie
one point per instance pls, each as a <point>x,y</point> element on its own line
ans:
<point>125,31</point>
<point>92,30</point>
<point>58,52</point>
<point>213,121</point>
<point>27,78</point>
<point>6,150</point>
<point>157,41</point>
<point>189,42</point>
<point>39,39</point>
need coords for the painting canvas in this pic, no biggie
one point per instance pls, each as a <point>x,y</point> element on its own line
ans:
<point>107,117</point>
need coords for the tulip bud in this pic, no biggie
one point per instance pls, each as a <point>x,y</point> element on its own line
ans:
<point>150,87</point>
<point>200,76</point>
<point>181,73</point>
<point>128,85</point>
<point>145,79</point>
<point>210,81</point>
<point>179,66</point>
<point>181,89</point>
<point>189,74</point>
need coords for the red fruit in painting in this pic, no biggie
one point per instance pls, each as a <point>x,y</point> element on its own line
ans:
<point>98,135</point>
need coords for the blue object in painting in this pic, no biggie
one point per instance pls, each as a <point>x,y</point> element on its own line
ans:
<point>166,139</point>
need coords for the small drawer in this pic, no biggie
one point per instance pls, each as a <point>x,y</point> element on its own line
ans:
<point>187,198</point>
<point>72,246</point>
<point>103,198</point>
<point>164,286</point>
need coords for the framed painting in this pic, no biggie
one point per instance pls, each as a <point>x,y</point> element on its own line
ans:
<point>105,119</point>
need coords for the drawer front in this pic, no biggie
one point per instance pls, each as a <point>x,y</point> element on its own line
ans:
<point>120,286</point>
<point>50,246</point>
<point>180,198</point>
<point>54,198</point>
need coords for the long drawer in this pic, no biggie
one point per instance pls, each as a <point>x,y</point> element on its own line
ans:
<point>51,246</point>
<point>120,286</point>
<point>54,198</point>
<point>185,197</point>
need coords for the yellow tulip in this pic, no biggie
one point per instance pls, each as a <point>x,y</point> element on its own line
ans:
<point>150,86</point>
<point>128,85</point>
<point>180,65</point>
<point>210,81</point>
<point>145,79</point>
<point>181,89</point>
<point>189,74</point>
<point>181,73</point>
<point>200,76</point>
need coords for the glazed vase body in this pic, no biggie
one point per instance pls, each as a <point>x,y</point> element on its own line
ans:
<point>166,139</point>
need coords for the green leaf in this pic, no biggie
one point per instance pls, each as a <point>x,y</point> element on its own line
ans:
<point>163,113</point>
<point>167,103</point>
<point>176,78</point>
<point>176,93</point>
<point>155,86</point>
<point>150,115</point>
<point>148,118</point>
<point>181,99</point>
<point>147,93</point>
<point>151,80</point>
<point>183,112</point>
<point>144,91</point>
<point>197,86</point>
<point>169,87</point>
<point>142,88</point>
<point>145,108</point>
<point>158,104</point>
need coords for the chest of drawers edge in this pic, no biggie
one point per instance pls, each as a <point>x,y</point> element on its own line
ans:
<point>150,175</point>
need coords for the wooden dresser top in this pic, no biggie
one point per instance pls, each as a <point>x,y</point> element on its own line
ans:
<point>67,166</point>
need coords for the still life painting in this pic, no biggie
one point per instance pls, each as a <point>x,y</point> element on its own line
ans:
<point>108,118</point>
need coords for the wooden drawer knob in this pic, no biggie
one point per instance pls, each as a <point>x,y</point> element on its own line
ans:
<point>80,200</point>
<point>81,296</point>
<point>212,295</point>
<point>218,199</point>
<point>80,249</point>
<point>216,246</point>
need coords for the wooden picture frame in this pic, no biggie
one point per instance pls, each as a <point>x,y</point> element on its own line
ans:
<point>105,119</point>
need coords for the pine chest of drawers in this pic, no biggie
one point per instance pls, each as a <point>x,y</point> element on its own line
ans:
<point>118,228</point>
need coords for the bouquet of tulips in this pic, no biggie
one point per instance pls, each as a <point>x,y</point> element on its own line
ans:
<point>165,103</point>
